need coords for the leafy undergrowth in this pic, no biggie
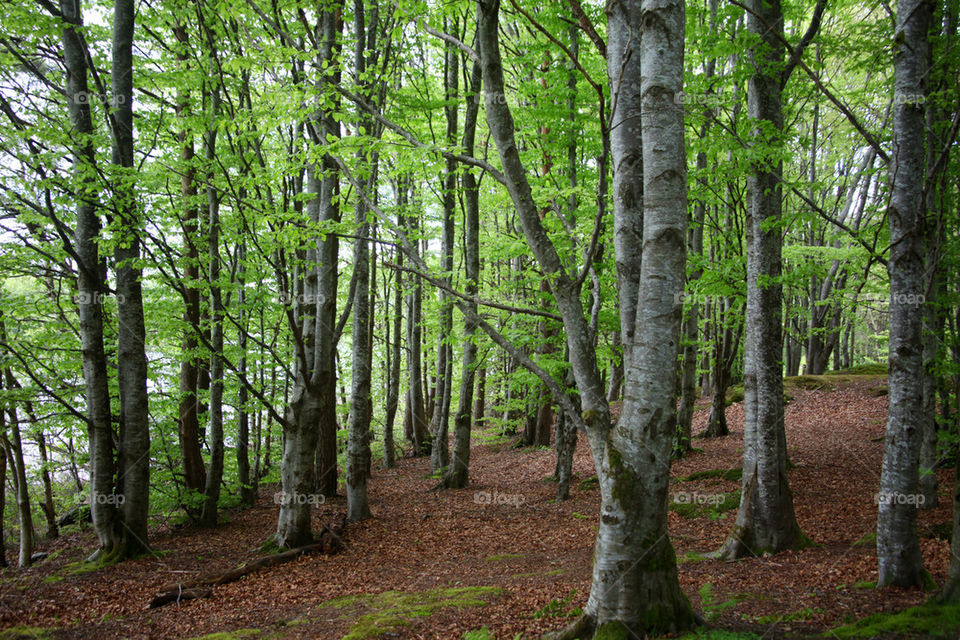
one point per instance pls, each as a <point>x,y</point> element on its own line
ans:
<point>506,531</point>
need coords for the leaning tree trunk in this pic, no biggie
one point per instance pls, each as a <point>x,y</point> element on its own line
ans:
<point>765,520</point>
<point>900,562</point>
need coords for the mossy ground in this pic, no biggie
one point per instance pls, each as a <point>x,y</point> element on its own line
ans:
<point>712,509</point>
<point>925,621</point>
<point>381,613</point>
<point>25,633</point>
<point>230,635</point>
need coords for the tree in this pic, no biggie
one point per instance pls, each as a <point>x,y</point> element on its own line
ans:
<point>899,560</point>
<point>635,588</point>
<point>765,520</point>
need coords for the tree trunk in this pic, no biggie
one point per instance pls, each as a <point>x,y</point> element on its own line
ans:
<point>635,589</point>
<point>393,366</point>
<point>765,521</point>
<point>3,493</point>
<point>91,275</point>
<point>214,475</point>
<point>900,562</point>
<point>458,473</point>
<point>418,415</point>
<point>14,451</point>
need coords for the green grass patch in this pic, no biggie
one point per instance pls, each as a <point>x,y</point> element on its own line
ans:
<point>25,633</point>
<point>869,539</point>
<point>559,608</point>
<point>926,621</point>
<point>230,635</point>
<point>713,506</point>
<point>718,634</point>
<point>380,613</point>
<point>725,474</point>
<point>865,584</point>
<point>803,614</point>
<point>868,369</point>
<point>692,556</point>
<point>504,556</point>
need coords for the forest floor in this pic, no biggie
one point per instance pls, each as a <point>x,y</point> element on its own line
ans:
<point>436,549</point>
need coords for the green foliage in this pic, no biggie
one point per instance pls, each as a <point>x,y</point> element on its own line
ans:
<point>559,608</point>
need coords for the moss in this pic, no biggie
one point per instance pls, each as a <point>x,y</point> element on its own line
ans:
<point>718,634</point>
<point>230,635</point>
<point>713,509</point>
<point>378,614</point>
<point>25,633</point>
<point>589,483</point>
<point>270,546</point>
<point>504,556</point>
<point>865,584</point>
<point>726,474</point>
<point>927,620</point>
<point>691,556</point>
<point>611,631</point>
<point>868,369</point>
<point>623,480</point>
<point>869,539</point>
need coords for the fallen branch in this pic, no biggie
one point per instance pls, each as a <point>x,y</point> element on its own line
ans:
<point>329,542</point>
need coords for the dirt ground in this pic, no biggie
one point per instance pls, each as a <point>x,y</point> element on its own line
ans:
<point>507,531</point>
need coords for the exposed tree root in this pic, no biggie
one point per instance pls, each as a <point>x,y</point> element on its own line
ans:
<point>329,542</point>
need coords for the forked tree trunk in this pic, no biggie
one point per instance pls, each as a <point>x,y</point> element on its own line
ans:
<point>900,562</point>
<point>635,589</point>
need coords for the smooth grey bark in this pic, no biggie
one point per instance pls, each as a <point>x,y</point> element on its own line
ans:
<point>457,475</point>
<point>310,415</point>
<point>3,491</point>
<point>194,473</point>
<point>440,418</point>
<point>248,484</point>
<point>899,560</point>
<point>393,364</point>
<point>131,331</point>
<point>634,565</point>
<point>725,346</point>
<point>91,282</point>
<point>14,451</point>
<point>765,522</point>
<point>214,473</point>
<point>688,378</point>
<point>415,401</point>
<point>358,439</point>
